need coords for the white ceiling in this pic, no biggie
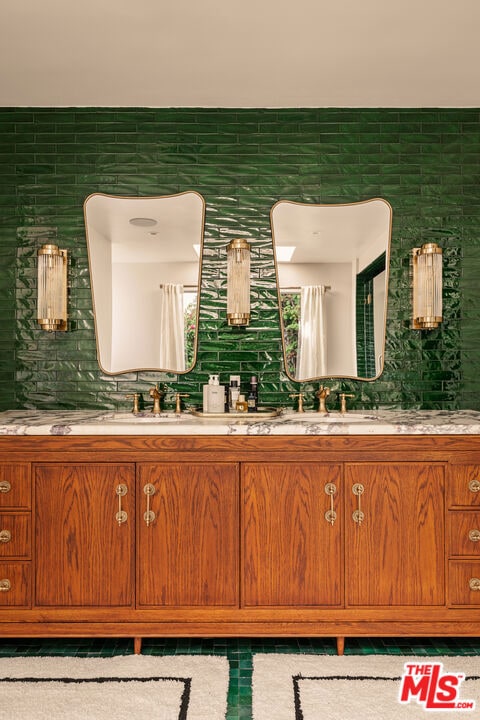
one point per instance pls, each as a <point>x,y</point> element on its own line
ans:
<point>242,53</point>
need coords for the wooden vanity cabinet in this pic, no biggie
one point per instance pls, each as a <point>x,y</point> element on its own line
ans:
<point>292,534</point>
<point>394,534</point>
<point>84,527</point>
<point>187,548</point>
<point>144,536</point>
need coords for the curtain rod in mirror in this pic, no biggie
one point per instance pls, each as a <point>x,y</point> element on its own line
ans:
<point>188,288</point>
<point>298,288</point>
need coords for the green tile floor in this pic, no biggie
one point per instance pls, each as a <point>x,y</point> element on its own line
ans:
<point>239,652</point>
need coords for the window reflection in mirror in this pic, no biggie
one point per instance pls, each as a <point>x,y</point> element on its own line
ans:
<point>332,274</point>
<point>145,270</point>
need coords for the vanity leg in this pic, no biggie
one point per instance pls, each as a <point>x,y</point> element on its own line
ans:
<point>340,645</point>
<point>137,645</point>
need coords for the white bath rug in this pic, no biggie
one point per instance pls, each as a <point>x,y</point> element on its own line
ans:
<point>190,687</point>
<point>377,687</point>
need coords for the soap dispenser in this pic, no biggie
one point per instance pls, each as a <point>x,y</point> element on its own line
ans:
<point>213,396</point>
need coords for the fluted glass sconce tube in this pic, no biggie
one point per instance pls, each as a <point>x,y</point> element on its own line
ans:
<point>238,282</point>
<point>427,286</point>
<point>52,288</point>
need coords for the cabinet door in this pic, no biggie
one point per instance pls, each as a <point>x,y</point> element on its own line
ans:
<point>188,552</point>
<point>291,550</point>
<point>395,555</point>
<point>84,556</point>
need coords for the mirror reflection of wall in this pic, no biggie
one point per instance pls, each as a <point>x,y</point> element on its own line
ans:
<point>144,256</point>
<point>332,247</point>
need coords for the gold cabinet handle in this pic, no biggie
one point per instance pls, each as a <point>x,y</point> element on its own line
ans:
<point>330,515</point>
<point>5,486</point>
<point>149,515</point>
<point>474,535</point>
<point>474,584</point>
<point>5,585</point>
<point>121,516</point>
<point>358,515</point>
<point>474,486</point>
<point>5,536</point>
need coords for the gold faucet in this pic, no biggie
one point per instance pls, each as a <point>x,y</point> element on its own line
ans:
<point>322,394</point>
<point>178,401</point>
<point>136,398</point>
<point>343,401</point>
<point>300,401</point>
<point>157,396</point>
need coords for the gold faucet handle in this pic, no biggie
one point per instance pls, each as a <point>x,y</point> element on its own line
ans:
<point>343,401</point>
<point>136,398</point>
<point>178,401</point>
<point>300,401</point>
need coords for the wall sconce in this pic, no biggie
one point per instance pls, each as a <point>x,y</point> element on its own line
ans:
<point>427,286</point>
<point>52,288</point>
<point>238,282</point>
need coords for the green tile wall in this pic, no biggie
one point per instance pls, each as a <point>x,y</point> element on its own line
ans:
<point>426,163</point>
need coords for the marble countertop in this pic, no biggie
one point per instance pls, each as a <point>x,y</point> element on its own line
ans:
<point>375,422</point>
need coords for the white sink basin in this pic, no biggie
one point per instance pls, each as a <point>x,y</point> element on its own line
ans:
<point>332,417</point>
<point>145,416</point>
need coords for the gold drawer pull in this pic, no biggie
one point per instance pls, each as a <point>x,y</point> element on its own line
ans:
<point>474,486</point>
<point>5,486</point>
<point>121,516</point>
<point>5,585</point>
<point>5,536</point>
<point>474,535</point>
<point>330,515</point>
<point>474,584</point>
<point>149,515</point>
<point>358,515</point>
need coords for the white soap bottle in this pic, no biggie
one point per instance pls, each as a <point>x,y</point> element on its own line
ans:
<point>213,396</point>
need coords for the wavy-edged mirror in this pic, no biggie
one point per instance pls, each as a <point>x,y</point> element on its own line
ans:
<point>145,259</point>
<point>332,265</point>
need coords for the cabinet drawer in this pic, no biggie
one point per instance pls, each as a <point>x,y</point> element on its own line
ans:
<point>464,582</point>
<point>15,583</point>
<point>15,486</point>
<point>463,533</point>
<point>464,485</point>
<point>14,536</point>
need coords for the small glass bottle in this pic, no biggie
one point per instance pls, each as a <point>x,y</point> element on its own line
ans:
<point>252,400</point>
<point>242,405</point>
<point>234,392</point>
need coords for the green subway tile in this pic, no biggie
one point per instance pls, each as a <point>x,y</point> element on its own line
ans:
<point>425,162</point>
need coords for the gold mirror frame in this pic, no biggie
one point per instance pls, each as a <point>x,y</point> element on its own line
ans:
<point>163,225</point>
<point>291,222</point>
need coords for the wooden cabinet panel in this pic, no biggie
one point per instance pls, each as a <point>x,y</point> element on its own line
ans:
<point>239,544</point>
<point>15,487</point>
<point>464,582</point>
<point>463,532</point>
<point>83,556</point>
<point>396,555</point>
<point>464,485</point>
<point>15,535</point>
<point>15,584</point>
<point>291,553</point>
<point>188,554</point>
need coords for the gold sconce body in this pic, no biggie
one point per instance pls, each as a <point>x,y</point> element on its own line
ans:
<point>238,282</point>
<point>52,288</point>
<point>427,286</point>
